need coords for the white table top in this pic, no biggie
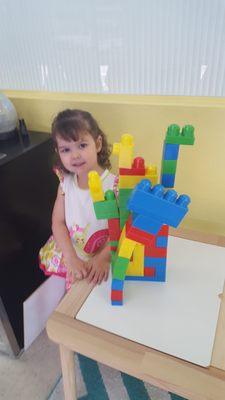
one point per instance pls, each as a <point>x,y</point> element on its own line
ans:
<point>178,317</point>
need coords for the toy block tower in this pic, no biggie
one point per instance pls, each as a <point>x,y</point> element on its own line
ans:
<point>138,219</point>
<point>174,138</point>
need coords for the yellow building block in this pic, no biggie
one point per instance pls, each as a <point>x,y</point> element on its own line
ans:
<point>127,247</point>
<point>95,186</point>
<point>129,269</point>
<point>136,267</point>
<point>151,174</point>
<point>122,237</point>
<point>124,150</point>
<point>130,181</point>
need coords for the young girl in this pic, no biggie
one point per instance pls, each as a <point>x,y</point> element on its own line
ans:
<point>78,248</point>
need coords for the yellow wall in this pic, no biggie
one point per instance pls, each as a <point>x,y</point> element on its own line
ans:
<point>201,167</point>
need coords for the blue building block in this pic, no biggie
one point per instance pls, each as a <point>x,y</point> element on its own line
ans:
<point>139,278</point>
<point>117,284</point>
<point>154,262</point>
<point>116,303</point>
<point>157,205</point>
<point>160,274</point>
<point>168,180</point>
<point>170,151</point>
<point>146,224</point>
<point>161,241</point>
<point>161,277</point>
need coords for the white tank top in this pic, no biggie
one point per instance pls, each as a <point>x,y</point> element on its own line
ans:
<point>87,233</point>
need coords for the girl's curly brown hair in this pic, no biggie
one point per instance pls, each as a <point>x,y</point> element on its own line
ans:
<point>69,124</point>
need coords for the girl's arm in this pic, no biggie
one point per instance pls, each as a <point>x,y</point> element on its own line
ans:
<point>75,266</point>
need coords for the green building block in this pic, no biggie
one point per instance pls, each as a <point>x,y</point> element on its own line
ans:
<point>108,208</point>
<point>113,243</point>
<point>124,195</point>
<point>120,267</point>
<point>175,136</point>
<point>169,166</point>
<point>113,259</point>
<point>124,214</point>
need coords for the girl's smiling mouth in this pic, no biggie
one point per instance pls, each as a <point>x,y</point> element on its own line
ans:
<point>78,164</point>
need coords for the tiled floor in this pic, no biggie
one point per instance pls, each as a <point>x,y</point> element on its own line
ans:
<point>33,375</point>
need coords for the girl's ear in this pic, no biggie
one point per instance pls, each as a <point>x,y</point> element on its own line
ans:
<point>99,144</point>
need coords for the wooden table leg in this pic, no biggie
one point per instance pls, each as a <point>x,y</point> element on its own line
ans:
<point>68,372</point>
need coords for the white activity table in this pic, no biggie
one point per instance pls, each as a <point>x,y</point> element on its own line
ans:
<point>171,373</point>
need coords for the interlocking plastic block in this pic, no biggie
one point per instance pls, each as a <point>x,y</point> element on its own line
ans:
<point>169,166</point>
<point>168,180</point>
<point>160,274</point>
<point>126,248</point>
<point>124,214</point>
<point>117,295</point>
<point>170,151</point>
<point>113,243</point>
<point>151,174</point>
<point>153,251</point>
<point>113,248</point>
<point>129,181</point>
<point>123,197</point>
<point>149,271</point>
<point>113,257</point>
<point>175,136</point>
<point>137,234</point>
<point>161,241</point>
<point>114,228</point>
<point>164,207</point>
<point>141,278</point>
<point>95,186</point>
<point>164,231</point>
<point>108,208</point>
<point>155,262</point>
<point>124,150</point>
<point>117,284</point>
<point>116,303</point>
<point>120,267</point>
<point>146,224</point>
<point>137,266</point>
<point>137,168</point>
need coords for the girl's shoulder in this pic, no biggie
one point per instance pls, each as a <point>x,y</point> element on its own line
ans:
<point>108,180</point>
<point>65,179</point>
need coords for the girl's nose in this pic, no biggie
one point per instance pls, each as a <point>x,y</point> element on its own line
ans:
<point>76,154</point>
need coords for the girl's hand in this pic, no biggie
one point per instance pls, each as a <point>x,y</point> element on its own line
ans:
<point>98,267</point>
<point>77,269</point>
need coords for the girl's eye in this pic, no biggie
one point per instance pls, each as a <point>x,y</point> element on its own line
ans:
<point>83,145</point>
<point>66,150</point>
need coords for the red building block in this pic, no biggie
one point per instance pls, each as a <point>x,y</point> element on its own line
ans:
<point>152,251</point>
<point>138,168</point>
<point>149,271</point>
<point>114,229</point>
<point>138,235</point>
<point>117,295</point>
<point>164,231</point>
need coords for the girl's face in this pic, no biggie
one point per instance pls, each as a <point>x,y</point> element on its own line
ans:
<point>79,157</point>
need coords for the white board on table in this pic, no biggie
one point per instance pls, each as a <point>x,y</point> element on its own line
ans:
<point>178,317</point>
